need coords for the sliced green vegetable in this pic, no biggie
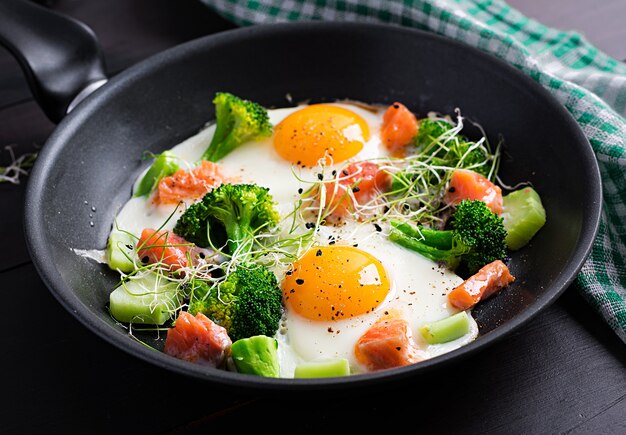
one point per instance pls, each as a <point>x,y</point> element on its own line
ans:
<point>257,355</point>
<point>323,369</point>
<point>164,164</point>
<point>121,251</point>
<point>523,216</point>
<point>149,299</point>
<point>447,329</point>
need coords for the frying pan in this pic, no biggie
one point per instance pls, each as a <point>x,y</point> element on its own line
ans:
<point>86,169</point>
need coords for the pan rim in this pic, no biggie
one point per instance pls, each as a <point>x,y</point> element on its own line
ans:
<point>35,236</point>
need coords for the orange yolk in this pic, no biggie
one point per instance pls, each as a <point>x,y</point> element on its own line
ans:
<point>331,283</point>
<point>320,131</point>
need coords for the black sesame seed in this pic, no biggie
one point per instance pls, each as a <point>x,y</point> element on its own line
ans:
<point>299,281</point>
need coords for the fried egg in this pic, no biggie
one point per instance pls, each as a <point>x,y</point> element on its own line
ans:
<point>334,293</point>
<point>349,275</point>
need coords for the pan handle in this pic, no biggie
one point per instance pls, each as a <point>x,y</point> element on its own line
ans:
<point>60,56</point>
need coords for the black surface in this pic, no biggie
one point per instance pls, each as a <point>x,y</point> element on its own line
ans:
<point>562,373</point>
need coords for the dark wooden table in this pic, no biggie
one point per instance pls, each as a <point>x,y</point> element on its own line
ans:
<point>564,372</point>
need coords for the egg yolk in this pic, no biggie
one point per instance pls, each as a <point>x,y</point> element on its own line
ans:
<point>320,131</point>
<point>331,283</point>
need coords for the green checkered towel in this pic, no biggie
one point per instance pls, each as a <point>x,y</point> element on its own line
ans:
<point>590,84</point>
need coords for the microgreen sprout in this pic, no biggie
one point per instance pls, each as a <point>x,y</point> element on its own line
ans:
<point>19,166</point>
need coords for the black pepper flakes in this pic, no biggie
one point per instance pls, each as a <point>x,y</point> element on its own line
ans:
<point>318,253</point>
<point>378,228</point>
<point>299,281</point>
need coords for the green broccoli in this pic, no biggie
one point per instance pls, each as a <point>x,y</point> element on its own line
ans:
<point>476,237</point>
<point>247,303</point>
<point>431,130</point>
<point>232,213</point>
<point>458,152</point>
<point>237,121</point>
<point>440,147</point>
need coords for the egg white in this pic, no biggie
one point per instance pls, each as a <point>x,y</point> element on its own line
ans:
<point>418,286</point>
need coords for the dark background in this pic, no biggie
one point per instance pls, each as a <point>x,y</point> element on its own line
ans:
<point>564,372</point>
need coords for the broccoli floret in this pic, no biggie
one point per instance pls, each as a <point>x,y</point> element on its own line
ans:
<point>476,237</point>
<point>431,130</point>
<point>440,147</point>
<point>247,303</point>
<point>238,121</point>
<point>458,152</point>
<point>235,212</point>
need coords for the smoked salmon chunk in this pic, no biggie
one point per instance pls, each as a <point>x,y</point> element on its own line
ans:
<point>466,184</point>
<point>490,279</point>
<point>366,180</point>
<point>163,247</point>
<point>198,339</point>
<point>388,343</point>
<point>189,185</point>
<point>399,128</point>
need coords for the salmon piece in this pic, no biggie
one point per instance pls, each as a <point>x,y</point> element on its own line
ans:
<point>490,279</point>
<point>164,247</point>
<point>198,340</point>
<point>189,185</point>
<point>398,129</point>
<point>386,344</point>
<point>466,184</point>
<point>366,180</point>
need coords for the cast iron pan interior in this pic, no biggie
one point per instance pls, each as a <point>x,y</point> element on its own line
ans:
<point>95,155</point>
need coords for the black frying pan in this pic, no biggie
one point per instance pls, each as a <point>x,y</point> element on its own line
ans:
<point>94,156</point>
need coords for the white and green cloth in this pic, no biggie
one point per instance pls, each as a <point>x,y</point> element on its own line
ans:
<point>590,84</point>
